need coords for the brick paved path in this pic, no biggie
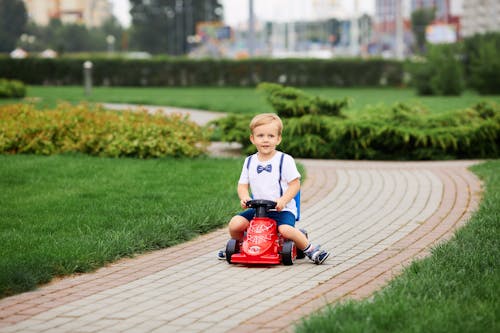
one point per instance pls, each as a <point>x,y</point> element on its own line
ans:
<point>375,216</point>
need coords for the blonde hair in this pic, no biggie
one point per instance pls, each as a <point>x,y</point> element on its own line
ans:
<point>264,119</point>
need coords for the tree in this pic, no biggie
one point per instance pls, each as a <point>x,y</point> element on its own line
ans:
<point>74,37</point>
<point>13,19</point>
<point>420,19</point>
<point>162,26</point>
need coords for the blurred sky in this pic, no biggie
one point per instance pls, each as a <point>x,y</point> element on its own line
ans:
<point>236,11</point>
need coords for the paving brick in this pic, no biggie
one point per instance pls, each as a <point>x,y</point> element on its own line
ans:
<point>375,216</point>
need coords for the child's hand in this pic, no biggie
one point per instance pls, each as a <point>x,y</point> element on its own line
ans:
<point>280,204</point>
<point>243,202</point>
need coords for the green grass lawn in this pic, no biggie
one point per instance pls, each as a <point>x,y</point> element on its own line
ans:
<point>65,214</point>
<point>457,289</point>
<point>244,100</point>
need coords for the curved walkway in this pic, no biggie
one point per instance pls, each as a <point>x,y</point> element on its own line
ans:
<point>201,117</point>
<point>376,217</point>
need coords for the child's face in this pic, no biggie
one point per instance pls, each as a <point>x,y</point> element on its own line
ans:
<point>266,138</point>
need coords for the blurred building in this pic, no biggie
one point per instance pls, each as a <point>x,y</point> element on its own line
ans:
<point>446,27</point>
<point>480,16</point>
<point>392,28</point>
<point>92,13</point>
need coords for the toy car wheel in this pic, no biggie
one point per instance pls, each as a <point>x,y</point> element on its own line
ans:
<point>288,255</point>
<point>232,247</point>
<point>300,253</point>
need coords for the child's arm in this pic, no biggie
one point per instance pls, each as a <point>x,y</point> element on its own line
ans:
<point>291,192</point>
<point>244,195</point>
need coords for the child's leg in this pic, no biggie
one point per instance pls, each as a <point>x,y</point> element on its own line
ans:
<point>287,229</point>
<point>291,233</point>
<point>237,227</point>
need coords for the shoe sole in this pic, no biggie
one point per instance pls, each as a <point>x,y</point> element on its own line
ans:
<point>221,257</point>
<point>323,260</point>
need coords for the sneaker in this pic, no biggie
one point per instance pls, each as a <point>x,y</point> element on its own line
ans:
<point>221,254</point>
<point>316,254</point>
<point>320,257</point>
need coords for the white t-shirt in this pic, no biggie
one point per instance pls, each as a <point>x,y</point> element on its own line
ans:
<point>263,178</point>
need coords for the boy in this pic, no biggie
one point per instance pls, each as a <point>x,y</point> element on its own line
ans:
<point>261,175</point>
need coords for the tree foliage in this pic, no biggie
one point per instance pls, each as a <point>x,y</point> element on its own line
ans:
<point>73,37</point>
<point>420,19</point>
<point>13,19</point>
<point>162,26</point>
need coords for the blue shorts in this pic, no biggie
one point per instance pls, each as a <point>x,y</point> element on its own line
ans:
<point>283,217</point>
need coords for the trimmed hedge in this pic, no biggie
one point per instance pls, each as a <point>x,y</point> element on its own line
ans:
<point>206,72</point>
<point>95,131</point>
<point>398,133</point>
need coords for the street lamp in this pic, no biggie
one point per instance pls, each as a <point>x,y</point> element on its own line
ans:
<point>87,77</point>
<point>110,39</point>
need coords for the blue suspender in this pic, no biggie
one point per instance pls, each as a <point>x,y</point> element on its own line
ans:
<point>281,167</point>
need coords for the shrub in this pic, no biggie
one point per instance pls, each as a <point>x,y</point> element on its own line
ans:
<point>95,131</point>
<point>291,102</point>
<point>440,73</point>
<point>421,75</point>
<point>12,89</point>
<point>447,78</point>
<point>402,132</point>
<point>485,69</point>
<point>478,48</point>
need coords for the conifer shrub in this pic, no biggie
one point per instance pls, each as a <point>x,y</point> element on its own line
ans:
<point>292,102</point>
<point>95,131</point>
<point>401,132</point>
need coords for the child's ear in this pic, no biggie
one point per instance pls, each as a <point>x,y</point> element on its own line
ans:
<point>279,139</point>
<point>251,139</point>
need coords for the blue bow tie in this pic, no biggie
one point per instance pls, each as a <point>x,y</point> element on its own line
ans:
<point>267,168</point>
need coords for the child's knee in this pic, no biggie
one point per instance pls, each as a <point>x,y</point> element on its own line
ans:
<point>286,231</point>
<point>238,223</point>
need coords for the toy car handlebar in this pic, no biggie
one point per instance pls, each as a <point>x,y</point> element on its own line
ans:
<point>261,206</point>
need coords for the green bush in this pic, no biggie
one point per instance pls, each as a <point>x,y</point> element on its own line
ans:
<point>481,66</point>
<point>440,73</point>
<point>421,75</point>
<point>485,69</point>
<point>12,89</point>
<point>448,76</point>
<point>402,132</point>
<point>291,102</point>
<point>98,132</point>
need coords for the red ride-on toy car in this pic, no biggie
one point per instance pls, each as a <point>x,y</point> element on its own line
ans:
<point>262,243</point>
